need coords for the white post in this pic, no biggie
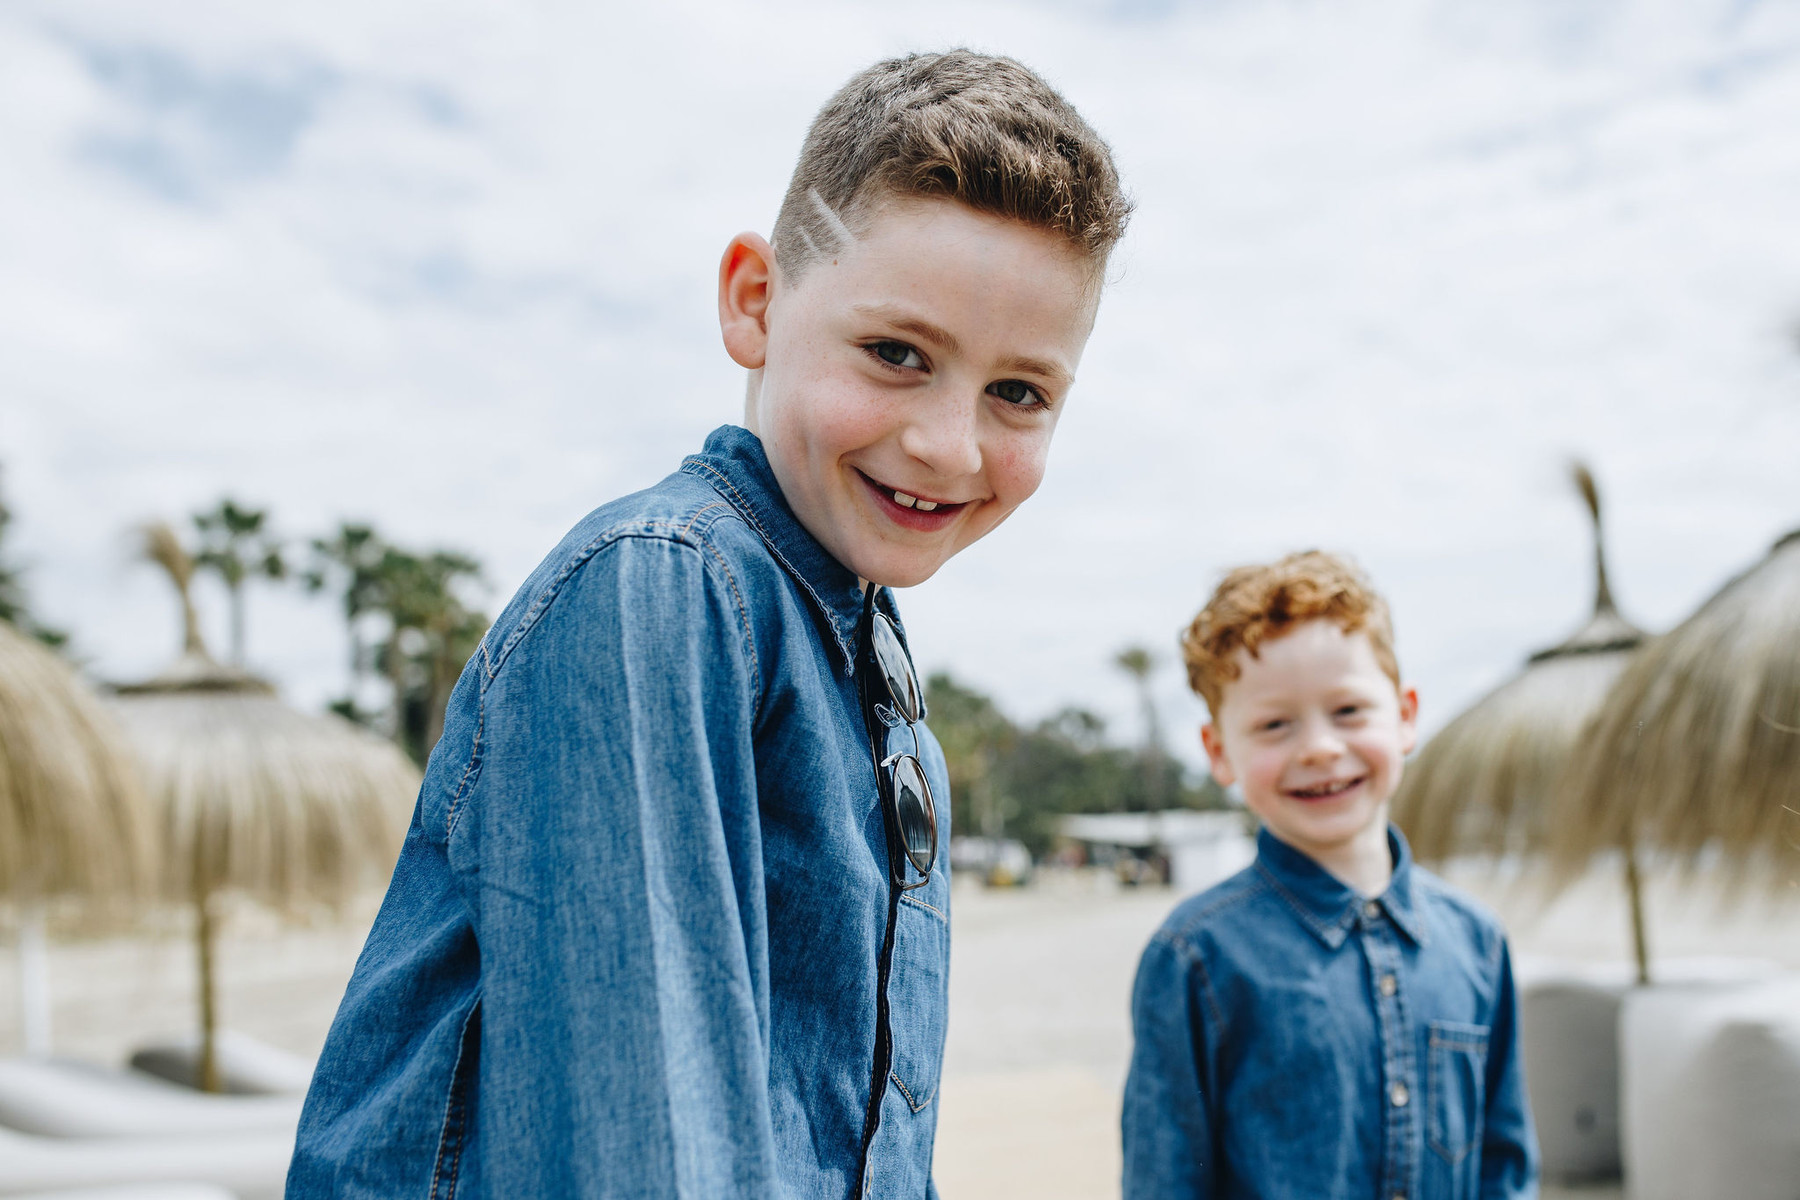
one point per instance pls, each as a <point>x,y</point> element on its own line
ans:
<point>34,983</point>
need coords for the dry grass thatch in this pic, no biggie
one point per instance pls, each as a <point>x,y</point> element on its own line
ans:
<point>300,812</point>
<point>297,811</point>
<point>72,821</point>
<point>1697,750</point>
<point>1485,783</point>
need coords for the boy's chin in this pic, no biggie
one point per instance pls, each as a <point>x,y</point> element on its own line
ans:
<point>897,575</point>
<point>894,566</point>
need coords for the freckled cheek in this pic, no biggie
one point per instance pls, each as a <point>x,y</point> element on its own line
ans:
<point>831,417</point>
<point>1015,466</point>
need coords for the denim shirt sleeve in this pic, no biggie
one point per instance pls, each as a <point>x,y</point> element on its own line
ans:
<point>609,852</point>
<point>1168,1136</point>
<point>1509,1166</point>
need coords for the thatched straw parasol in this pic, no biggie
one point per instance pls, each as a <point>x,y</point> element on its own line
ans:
<point>300,812</point>
<point>1697,749</point>
<point>1487,782</point>
<point>71,810</point>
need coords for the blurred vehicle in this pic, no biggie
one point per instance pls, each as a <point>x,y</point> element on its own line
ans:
<point>1000,862</point>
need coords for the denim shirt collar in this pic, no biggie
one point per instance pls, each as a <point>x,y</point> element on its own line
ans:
<point>734,463</point>
<point>1327,906</point>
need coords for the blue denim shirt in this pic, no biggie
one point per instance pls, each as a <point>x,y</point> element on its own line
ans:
<point>631,947</point>
<point>1297,1041</point>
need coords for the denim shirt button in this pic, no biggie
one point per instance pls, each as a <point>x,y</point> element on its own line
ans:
<point>1389,985</point>
<point>1372,910</point>
<point>1399,1095</point>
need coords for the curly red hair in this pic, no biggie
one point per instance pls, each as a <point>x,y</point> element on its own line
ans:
<point>1256,604</point>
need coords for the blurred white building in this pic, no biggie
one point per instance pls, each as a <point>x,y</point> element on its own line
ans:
<point>1201,847</point>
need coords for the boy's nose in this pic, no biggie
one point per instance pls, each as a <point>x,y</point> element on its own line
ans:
<point>945,435</point>
<point>1321,744</point>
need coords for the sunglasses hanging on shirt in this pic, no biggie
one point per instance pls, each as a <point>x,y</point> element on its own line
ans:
<point>892,707</point>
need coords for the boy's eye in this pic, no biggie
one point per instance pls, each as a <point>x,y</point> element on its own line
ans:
<point>1016,391</point>
<point>897,354</point>
<point>1272,724</point>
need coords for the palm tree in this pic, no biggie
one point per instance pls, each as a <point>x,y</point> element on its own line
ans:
<point>429,633</point>
<point>1140,664</point>
<point>351,560</point>
<point>235,546</point>
<point>432,633</point>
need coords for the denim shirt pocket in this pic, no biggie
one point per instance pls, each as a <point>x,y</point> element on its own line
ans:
<point>1456,1068</point>
<point>919,998</point>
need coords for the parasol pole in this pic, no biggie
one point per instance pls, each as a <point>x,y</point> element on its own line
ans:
<point>205,931</point>
<point>34,982</point>
<point>1634,894</point>
<point>1603,603</point>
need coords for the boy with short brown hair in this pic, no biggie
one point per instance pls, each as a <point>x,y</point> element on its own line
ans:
<point>672,918</point>
<point>1333,1021</point>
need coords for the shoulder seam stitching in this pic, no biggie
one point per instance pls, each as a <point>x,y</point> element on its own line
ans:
<point>658,530</point>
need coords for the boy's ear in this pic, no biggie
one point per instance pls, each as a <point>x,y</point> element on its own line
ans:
<point>1215,752</point>
<point>1409,719</point>
<point>746,284</point>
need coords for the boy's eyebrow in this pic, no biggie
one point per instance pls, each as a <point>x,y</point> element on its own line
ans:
<point>946,341</point>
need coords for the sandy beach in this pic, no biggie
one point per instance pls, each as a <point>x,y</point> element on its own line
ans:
<point>1039,1033</point>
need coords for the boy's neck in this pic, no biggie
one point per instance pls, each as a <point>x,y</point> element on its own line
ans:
<point>1365,864</point>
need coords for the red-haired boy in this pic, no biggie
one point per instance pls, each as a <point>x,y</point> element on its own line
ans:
<point>1333,1021</point>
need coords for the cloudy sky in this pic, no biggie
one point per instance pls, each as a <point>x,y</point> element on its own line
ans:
<point>448,267</point>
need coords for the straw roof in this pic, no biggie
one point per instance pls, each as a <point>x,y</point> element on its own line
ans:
<point>1698,747</point>
<point>71,809</point>
<point>1485,783</point>
<point>295,809</point>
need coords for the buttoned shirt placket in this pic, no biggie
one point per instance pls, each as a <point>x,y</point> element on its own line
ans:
<point>1399,1070</point>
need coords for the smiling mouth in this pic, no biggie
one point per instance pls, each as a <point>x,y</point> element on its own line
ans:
<point>1329,790</point>
<point>914,512</point>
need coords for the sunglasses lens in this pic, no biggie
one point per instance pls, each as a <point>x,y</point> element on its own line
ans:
<point>896,669</point>
<point>917,813</point>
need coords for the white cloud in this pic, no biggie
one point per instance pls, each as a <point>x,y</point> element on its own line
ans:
<point>449,268</point>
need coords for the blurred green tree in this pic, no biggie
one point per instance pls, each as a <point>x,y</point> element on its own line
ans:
<point>350,561</point>
<point>14,608</point>
<point>1063,764</point>
<point>236,545</point>
<point>1159,785</point>
<point>410,624</point>
<point>432,631</point>
<point>974,735</point>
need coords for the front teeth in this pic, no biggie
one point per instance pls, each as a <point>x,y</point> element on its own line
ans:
<point>906,501</point>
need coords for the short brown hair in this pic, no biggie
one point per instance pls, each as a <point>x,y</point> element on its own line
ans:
<point>976,128</point>
<point>1257,604</point>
